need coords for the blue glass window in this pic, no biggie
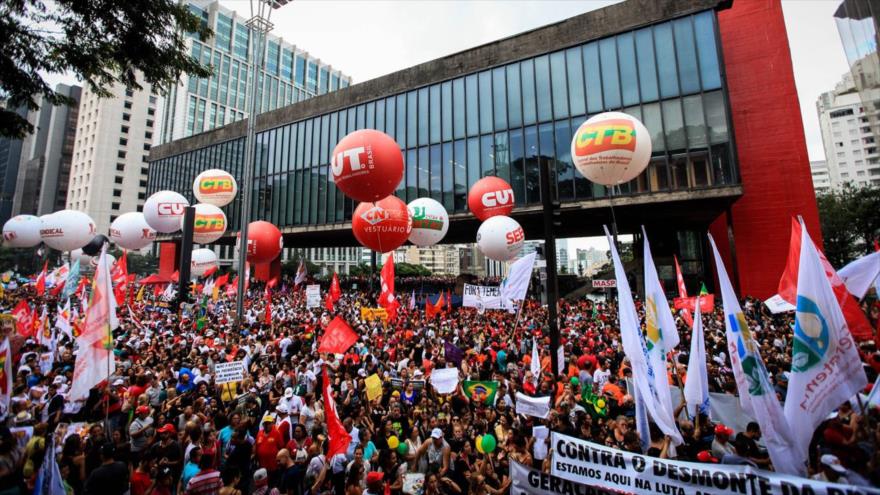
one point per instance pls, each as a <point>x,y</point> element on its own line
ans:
<point>672,119</point>
<point>666,66</point>
<point>532,170</point>
<point>473,161</point>
<point>424,173</point>
<point>325,80</point>
<point>223,33</point>
<point>458,112</point>
<point>435,168</point>
<point>592,66</point>
<point>447,169</point>
<point>514,103</point>
<point>654,123</point>
<point>412,175</point>
<point>499,95</point>
<point>459,168</point>
<point>286,64</point>
<point>693,121</point>
<point>610,79</point>
<point>472,106</point>
<point>501,150</point>
<point>629,81</point>
<point>559,84</point>
<point>423,116</point>
<point>687,55</point>
<point>542,86</point>
<point>716,117</point>
<point>272,58</point>
<point>704,28</point>
<point>576,99</point>
<point>312,77</point>
<point>300,71</point>
<point>517,164</point>
<point>564,165</point>
<point>390,127</point>
<point>401,120</point>
<point>380,115</point>
<point>529,107</point>
<point>434,113</point>
<point>411,119</point>
<point>646,64</point>
<point>334,82</point>
<point>485,78</point>
<point>446,110</point>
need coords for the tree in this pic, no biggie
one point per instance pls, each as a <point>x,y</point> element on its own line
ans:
<point>103,42</point>
<point>410,270</point>
<point>361,270</point>
<point>289,268</point>
<point>850,222</point>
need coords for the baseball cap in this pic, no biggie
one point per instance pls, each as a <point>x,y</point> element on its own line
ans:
<point>142,409</point>
<point>833,462</point>
<point>723,430</point>
<point>288,392</point>
<point>268,419</point>
<point>261,476</point>
<point>118,382</point>
<point>374,477</point>
<point>167,428</point>
<point>436,433</point>
<point>706,456</point>
<point>282,408</point>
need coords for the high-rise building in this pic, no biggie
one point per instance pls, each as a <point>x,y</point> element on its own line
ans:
<point>108,175</point>
<point>851,153</point>
<point>46,156</point>
<point>331,260</point>
<point>857,24</point>
<point>440,259</point>
<point>821,177</point>
<point>10,156</point>
<point>289,75</point>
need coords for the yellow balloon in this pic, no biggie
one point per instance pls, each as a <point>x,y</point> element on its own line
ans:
<point>480,444</point>
<point>393,442</point>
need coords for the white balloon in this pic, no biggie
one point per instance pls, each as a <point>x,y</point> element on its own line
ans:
<point>22,231</point>
<point>67,230</point>
<point>429,222</point>
<point>201,261</point>
<point>163,211</point>
<point>500,238</point>
<point>215,187</point>
<point>209,224</point>
<point>611,148</point>
<point>131,231</point>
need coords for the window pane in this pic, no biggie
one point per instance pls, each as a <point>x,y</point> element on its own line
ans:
<point>646,63</point>
<point>533,186</point>
<point>485,102</point>
<point>423,116</point>
<point>487,156</point>
<point>390,127</point>
<point>593,78</point>
<point>435,180</point>
<point>424,173</point>
<point>666,60</point>
<point>499,94</point>
<point>564,165</point>
<point>401,120</point>
<point>583,188</point>
<point>693,120</point>
<point>517,166</point>
<point>629,81</point>
<point>361,117</point>
<point>654,124</point>
<point>542,86</point>
<point>412,176</point>
<point>514,110</point>
<point>380,115</point>
<point>716,117</point>
<point>434,113</point>
<point>575,81</point>
<point>675,137</point>
<point>371,116</point>
<point>447,169</point>
<point>325,135</point>
<point>559,84</point>
<point>411,119</point>
<point>458,165</point>
<point>528,92</point>
<point>446,110</point>
<point>458,129</point>
<point>473,109</point>
<point>706,49</point>
<point>473,162</point>
<point>687,55</point>
<point>501,151</point>
<point>610,80</point>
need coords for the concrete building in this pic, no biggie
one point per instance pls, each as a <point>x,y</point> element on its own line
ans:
<point>10,157</point>
<point>290,74</point>
<point>588,260</point>
<point>821,176</point>
<point>108,174</point>
<point>851,153</point>
<point>47,154</point>
<point>858,25</point>
<point>441,259</point>
<point>331,260</point>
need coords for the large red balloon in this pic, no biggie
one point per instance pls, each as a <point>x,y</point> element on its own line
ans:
<point>382,226</point>
<point>264,242</point>
<point>367,165</point>
<point>489,197</point>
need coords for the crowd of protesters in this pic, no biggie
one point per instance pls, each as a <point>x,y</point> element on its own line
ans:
<point>161,425</point>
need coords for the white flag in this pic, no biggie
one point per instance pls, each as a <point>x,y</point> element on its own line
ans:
<point>301,273</point>
<point>6,379</point>
<point>696,387</point>
<point>756,394</point>
<point>861,273</point>
<point>826,369</point>
<point>635,349</point>
<point>62,320</point>
<point>412,300</point>
<point>94,358</point>
<point>169,292</point>
<point>535,365</point>
<point>874,396</point>
<point>661,334</point>
<point>516,284</point>
<point>208,288</point>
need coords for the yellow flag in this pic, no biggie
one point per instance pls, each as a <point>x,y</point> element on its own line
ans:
<point>215,294</point>
<point>374,387</point>
<point>140,294</point>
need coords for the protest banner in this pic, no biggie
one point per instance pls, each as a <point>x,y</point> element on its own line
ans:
<point>538,407</point>
<point>399,384</point>
<point>528,481</point>
<point>371,314</point>
<point>481,297</point>
<point>313,296</point>
<point>444,380</point>
<point>625,472</point>
<point>374,386</point>
<point>228,372</point>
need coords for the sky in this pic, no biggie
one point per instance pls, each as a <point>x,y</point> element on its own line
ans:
<point>370,38</point>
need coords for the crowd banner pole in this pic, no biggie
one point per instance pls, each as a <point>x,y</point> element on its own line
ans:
<point>550,255</point>
<point>186,247</point>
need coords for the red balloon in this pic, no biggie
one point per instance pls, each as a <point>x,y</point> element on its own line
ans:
<point>382,226</point>
<point>367,165</point>
<point>489,197</point>
<point>264,242</point>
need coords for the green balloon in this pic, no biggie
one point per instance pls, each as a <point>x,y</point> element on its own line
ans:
<point>489,443</point>
<point>403,448</point>
<point>574,381</point>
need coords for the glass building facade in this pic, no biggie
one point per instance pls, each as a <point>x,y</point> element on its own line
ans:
<point>503,121</point>
<point>857,22</point>
<point>201,104</point>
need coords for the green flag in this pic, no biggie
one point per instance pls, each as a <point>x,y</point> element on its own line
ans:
<point>703,290</point>
<point>482,391</point>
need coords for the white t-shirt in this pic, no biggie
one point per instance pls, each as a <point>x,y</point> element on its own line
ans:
<point>294,404</point>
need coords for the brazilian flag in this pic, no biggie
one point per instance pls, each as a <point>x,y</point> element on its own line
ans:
<point>596,405</point>
<point>481,391</point>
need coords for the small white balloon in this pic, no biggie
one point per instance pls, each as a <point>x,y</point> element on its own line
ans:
<point>215,187</point>
<point>209,224</point>
<point>22,231</point>
<point>202,260</point>
<point>500,238</point>
<point>611,148</point>
<point>430,221</point>
<point>67,230</point>
<point>131,231</point>
<point>163,211</point>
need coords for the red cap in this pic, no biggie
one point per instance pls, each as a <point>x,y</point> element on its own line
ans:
<point>142,409</point>
<point>374,477</point>
<point>723,430</point>
<point>706,456</point>
<point>167,428</point>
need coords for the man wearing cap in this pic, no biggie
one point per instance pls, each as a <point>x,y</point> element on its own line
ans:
<point>269,442</point>
<point>721,445</point>
<point>831,470</point>
<point>374,483</point>
<point>437,451</point>
<point>140,432</point>
<point>168,450</point>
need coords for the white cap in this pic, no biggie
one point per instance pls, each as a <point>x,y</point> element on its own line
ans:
<point>288,392</point>
<point>118,382</point>
<point>436,433</point>
<point>833,462</point>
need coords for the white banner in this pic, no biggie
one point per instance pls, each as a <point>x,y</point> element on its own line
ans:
<point>481,297</point>
<point>776,304</point>
<point>515,286</point>
<point>444,380</point>
<point>528,481</point>
<point>313,296</point>
<point>228,372</point>
<point>538,407</point>
<point>624,472</point>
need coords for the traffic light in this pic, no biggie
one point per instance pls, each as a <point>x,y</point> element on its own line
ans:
<point>557,214</point>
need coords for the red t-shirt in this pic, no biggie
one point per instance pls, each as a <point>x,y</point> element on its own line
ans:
<point>267,447</point>
<point>140,482</point>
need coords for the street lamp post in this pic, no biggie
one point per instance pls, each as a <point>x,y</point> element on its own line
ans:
<point>258,26</point>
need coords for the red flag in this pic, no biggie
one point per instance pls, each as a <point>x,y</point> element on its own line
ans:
<point>336,292</point>
<point>337,338</point>
<point>24,319</point>
<point>337,437</point>
<point>268,305</point>
<point>852,312</point>
<point>119,277</point>
<point>386,296</point>
<point>41,281</point>
<point>57,289</point>
<point>328,302</point>
<point>682,293</point>
<point>175,277</point>
<point>431,309</point>
<point>448,301</point>
<point>210,271</point>
<point>221,280</point>
<point>158,289</point>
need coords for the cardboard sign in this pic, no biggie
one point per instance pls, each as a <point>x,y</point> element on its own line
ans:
<point>228,372</point>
